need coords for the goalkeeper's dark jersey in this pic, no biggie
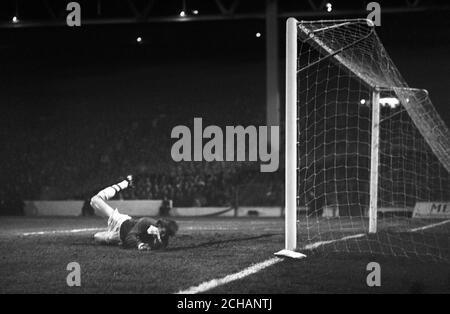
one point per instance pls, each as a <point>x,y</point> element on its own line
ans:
<point>134,231</point>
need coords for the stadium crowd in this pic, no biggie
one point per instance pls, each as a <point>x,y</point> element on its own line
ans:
<point>187,184</point>
<point>67,165</point>
<point>70,147</point>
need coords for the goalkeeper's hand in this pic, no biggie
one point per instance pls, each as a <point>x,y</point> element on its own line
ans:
<point>154,231</point>
<point>143,247</point>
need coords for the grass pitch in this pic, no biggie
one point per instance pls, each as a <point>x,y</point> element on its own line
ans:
<point>34,253</point>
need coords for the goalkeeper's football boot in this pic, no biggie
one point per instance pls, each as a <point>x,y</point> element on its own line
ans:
<point>130,180</point>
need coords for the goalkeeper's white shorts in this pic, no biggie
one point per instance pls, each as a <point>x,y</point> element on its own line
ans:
<point>112,234</point>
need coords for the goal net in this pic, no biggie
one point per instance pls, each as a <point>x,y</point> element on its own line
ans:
<point>367,157</point>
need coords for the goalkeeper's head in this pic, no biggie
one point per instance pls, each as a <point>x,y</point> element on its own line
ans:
<point>167,228</point>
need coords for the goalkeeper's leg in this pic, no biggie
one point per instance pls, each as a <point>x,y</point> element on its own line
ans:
<point>98,202</point>
<point>115,219</point>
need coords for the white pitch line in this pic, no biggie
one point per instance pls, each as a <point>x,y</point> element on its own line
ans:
<point>61,231</point>
<point>208,285</point>
<point>430,226</point>
<point>320,243</point>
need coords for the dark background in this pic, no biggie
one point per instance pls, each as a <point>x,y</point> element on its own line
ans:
<point>74,97</point>
<point>49,68</point>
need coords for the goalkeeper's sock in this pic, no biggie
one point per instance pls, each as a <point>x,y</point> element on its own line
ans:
<point>112,190</point>
<point>121,185</point>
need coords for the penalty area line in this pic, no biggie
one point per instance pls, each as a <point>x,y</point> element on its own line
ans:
<point>214,283</point>
<point>60,231</point>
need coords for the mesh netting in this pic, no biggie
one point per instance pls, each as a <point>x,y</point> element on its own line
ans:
<point>340,65</point>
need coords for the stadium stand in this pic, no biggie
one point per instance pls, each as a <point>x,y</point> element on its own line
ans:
<point>72,151</point>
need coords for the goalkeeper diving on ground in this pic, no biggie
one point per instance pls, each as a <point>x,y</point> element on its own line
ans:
<point>142,234</point>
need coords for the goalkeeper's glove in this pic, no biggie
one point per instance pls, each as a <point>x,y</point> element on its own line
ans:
<point>143,247</point>
<point>154,231</point>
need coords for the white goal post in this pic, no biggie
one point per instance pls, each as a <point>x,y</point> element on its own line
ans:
<point>291,143</point>
<point>291,135</point>
<point>361,69</point>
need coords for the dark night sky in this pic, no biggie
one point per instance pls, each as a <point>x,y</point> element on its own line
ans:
<point>46,67</point>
